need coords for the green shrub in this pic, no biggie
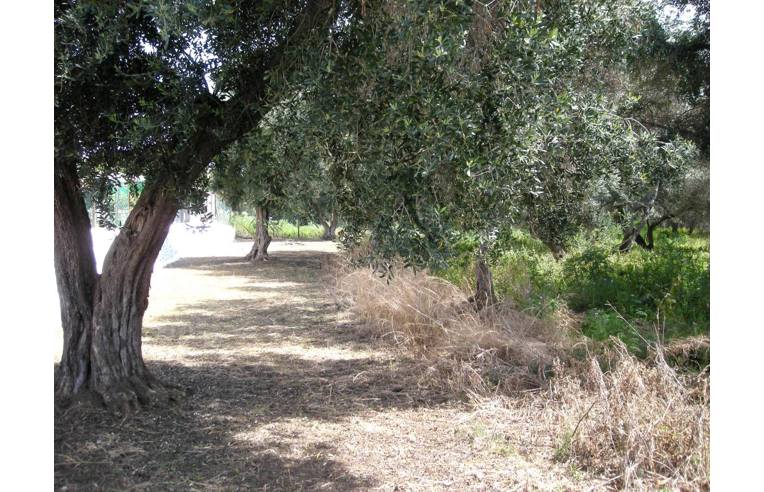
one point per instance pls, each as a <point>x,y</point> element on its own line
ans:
<point>669,285</point>
<point>244,225</point>
<point>601,324</point>
<point>671,281</point>
<point>460,268</point>
<point>530,279</point>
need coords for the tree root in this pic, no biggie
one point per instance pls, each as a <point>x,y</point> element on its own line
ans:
<point>134,393</point>
<point>131,394</point>
<point>255,258</point>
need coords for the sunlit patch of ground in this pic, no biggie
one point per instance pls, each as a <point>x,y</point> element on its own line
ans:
<point>287,394</point>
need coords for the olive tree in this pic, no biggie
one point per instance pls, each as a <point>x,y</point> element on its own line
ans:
<point>667,80</point>
<point>456,118</point>
<point>278,168</point>
<point>156,90</point>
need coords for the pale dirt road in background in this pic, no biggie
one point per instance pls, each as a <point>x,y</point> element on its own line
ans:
<point>288,393</point>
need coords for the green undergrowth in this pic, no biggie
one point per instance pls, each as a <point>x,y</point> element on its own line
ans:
<point>622,295</point>
<point>278,229</point>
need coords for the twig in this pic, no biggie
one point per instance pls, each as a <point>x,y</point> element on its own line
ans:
<point>575,429</point>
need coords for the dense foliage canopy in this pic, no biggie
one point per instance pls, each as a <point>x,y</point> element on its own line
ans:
<point>453,118</point>
<point>418,122</point>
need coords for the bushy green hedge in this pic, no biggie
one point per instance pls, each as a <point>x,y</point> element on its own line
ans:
<point>244,226</point>
<point>282,229</point>
<point>278,229</point>
<point>672,281</point>
<point>623,295</point>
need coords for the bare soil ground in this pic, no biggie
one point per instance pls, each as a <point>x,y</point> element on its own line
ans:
<point>289,394</point>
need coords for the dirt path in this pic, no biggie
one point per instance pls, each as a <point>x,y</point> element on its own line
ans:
<point>288,394</point>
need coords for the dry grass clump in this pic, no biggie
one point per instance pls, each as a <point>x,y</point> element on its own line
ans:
<point>693,353</point>
<point>474,353</point>
<point>642,424</point>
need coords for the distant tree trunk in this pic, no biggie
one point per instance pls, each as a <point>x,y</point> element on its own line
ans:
<point>633,234</point>
<point>640,241</point>
<point>634,237</point>
<point>252,251</point>
<point>651,226</point>
<point>259,251</point>
<point>650,236</point>
<point>330,228</point>
<point>630,237</point>
<point>484,294</point>
<point>76,278</point>
<point>674,227</point>
<point>558,252</point>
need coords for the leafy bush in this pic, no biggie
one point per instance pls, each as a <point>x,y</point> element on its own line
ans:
<point>459,269</point>
<point>601,324</point>
<point>529,279</point>
<point>244,225</point>
<point>524,272</point>
<point>278,229</point>
<point>672,281</point>
<point>621,295</point>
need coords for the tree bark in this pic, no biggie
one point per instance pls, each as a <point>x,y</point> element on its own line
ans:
<point>76,278</point>
<point>650,236</point>
<point>484,294</point>
<point>629,238</point>
<point>330,228</point>
<point>118,373</point>
<point>651,226</point>
<point>102,316</point>
<point>259,251</point>
<point>558,252</point>
<point>633,234</point>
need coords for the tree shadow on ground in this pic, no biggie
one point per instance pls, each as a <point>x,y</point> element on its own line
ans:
<point>260,373</point>
<point>308,261</point>
<point>234,324</point>
<point>221,435</point>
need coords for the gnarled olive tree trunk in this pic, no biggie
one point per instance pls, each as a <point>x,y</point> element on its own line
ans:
<point>102,316</point>
<point>259,251</point>
<point>118,373</point>
<point>484,294</point>
<point>330,228</point>
<point>651,227</point>
<point>633,234</point>
<point>76,278</point>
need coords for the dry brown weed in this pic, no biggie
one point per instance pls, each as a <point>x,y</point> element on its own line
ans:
<point>640,424</point>
<point>498,350</point>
